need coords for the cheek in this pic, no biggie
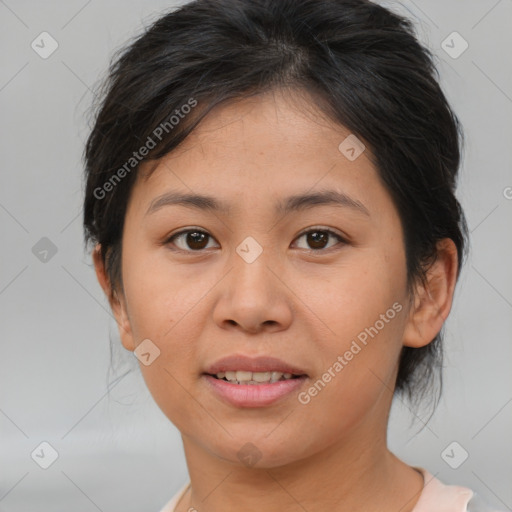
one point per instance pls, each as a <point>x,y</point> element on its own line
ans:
<point>363,306</point>
<point>358,292</point>
<point>160,294</point>
<point>164,306</point>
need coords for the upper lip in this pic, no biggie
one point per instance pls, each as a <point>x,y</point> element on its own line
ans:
<point>253,364</point>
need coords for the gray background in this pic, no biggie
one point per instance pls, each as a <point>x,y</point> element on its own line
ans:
<point>117,451</point>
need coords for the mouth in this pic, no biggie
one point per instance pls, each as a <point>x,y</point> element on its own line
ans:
<point>242,377</point>
<point>240,369</point>
<point>243,381</point>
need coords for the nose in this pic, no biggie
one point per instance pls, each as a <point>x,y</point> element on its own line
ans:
<point>254,297</point>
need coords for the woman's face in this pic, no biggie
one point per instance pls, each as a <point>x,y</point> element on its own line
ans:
<point>252,282</point>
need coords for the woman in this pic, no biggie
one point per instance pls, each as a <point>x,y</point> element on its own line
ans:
<point>271,197</point>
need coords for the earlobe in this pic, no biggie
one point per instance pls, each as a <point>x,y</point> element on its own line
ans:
<point>117,304</point>
<point>433,300</point>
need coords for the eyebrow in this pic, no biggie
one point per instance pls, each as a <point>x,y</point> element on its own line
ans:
<point>293,203</point>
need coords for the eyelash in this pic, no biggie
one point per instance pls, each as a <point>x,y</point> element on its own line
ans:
<point>170,239</point>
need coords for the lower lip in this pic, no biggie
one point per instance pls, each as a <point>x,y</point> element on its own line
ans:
<point>253,395</point>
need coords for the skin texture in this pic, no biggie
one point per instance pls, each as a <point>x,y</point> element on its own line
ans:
<point>294,302</point>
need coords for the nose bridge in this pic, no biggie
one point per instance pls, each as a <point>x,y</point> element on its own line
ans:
<point>251,262</point>
<point>251,250</point>
<point>253,296</point>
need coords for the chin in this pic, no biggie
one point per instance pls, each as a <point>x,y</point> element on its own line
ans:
<point>259,453</point>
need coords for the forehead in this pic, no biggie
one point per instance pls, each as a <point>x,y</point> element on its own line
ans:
<point>286,121</point>
<point>273,144</point>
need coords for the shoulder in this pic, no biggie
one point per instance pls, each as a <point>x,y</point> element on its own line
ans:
<point>171,504</point>
<point>448,498</point>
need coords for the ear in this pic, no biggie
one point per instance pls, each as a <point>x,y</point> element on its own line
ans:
<point>433,302</point>
<point>117,303</point>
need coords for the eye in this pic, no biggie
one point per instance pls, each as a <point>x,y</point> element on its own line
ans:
<point>318,238</point>
<point>195,239</point>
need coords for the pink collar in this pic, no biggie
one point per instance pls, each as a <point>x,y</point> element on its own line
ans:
<point>440,497</point>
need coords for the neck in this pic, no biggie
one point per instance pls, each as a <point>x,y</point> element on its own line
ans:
<point>350,475</point>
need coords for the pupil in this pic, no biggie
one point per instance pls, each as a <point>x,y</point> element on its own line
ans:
<point>318,237</point>
<point>192,239</point>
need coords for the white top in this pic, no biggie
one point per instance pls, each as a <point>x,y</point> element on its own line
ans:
<point>435,496</point>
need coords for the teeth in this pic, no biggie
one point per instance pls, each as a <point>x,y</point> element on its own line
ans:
<point>275,376</point>
<point>261,376</point>
<point>253,377</point>
<point>243,376</point>
<point>230,375</point>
